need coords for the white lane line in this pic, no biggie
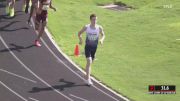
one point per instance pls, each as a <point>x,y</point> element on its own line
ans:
<point>13,91</point>
<point>17,75</point>
<point>33,99</point>
<point>12,53</point>
<point>105,93</point>
<point>78,97</point>
<point>60,59</point>
<point>74,71</point>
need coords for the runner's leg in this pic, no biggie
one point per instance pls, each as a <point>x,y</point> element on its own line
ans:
<point>12,5</point>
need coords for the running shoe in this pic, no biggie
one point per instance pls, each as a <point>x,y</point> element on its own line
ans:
<point>89,82</point>
<point>37,43</point>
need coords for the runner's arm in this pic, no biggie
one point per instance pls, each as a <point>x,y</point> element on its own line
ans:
<point>52,6</point>
<point>80,35</point>
<point>102,35</point>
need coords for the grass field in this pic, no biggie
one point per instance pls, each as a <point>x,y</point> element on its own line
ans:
<point>140,48</point>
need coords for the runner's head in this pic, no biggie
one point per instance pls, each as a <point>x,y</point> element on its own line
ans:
<point>93,19</point>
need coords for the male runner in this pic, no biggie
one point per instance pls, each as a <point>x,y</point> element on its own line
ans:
<point>92,37</point>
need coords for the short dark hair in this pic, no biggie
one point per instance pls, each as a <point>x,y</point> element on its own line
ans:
<point>92,15</point>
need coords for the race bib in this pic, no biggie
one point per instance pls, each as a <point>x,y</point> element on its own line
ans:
<point>92,37</point>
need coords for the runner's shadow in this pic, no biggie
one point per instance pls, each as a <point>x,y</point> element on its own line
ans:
<point>66,84</point>
<point>5,16</point>
<point>16,48</point>
<point>7,25</point>
<point>4,28</point>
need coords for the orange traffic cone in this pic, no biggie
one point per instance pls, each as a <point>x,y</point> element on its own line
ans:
<point>76,50</point>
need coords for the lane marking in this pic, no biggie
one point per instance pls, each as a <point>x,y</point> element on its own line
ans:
<point>33,99</point>
<point>13,91</point>
<point>78,97</point>
<point>26,67</point>
<point>17,75</point>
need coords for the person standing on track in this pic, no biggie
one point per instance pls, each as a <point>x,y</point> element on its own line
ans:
<point>92,36</point>
<point>41,18</point>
